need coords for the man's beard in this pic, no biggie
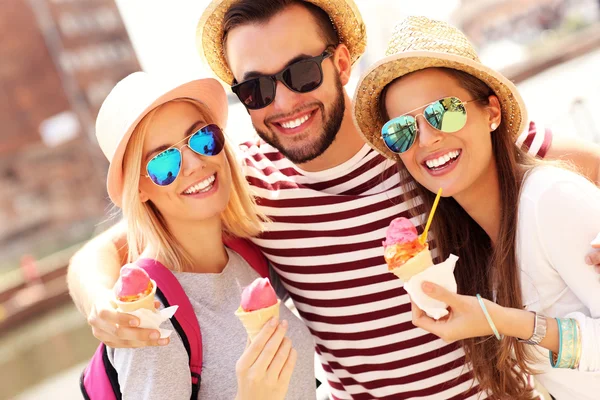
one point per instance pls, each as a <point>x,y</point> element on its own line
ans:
<point>331,126</point>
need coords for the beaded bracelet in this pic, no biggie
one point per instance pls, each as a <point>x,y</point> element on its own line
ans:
<point>579,346</point>
<point>488,317</point>
<point>569,344</point>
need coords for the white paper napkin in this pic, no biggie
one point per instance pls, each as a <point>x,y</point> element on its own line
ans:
<point>441,274</point>
<point>153,319</point>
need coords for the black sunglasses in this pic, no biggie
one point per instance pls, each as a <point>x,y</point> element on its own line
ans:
<point>302,76</point>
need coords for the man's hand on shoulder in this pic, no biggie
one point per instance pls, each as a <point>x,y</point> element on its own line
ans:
<point>584,155</point>
<point>120,330</point>
<point>593,257</point>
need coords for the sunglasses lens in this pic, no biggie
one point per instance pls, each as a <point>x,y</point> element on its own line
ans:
<point>256,93</point>
<point>208,141</point>
<point>303,76</point>
<point>164,168</point>
<point>399,134</point>
<point>447,115</point>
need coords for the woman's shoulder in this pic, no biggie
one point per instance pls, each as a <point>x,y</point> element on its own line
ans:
<point>548,181</point>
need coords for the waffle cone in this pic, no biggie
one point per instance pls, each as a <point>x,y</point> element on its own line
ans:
<point>146,302</point>
<point>255,320</point>
<point>415,265</point>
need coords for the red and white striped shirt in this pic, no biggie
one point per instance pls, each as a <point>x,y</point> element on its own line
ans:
<point>325,243</point>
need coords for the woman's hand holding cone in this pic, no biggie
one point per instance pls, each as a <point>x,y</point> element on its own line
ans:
<point>265,368</point>
<point>466,319</point>
<point>120,330</point>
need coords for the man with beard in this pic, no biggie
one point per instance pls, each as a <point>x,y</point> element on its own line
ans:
<point>330,198</point>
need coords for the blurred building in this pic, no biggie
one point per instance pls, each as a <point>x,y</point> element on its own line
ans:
<point>550,48</point>
<point>507,32</point>
<point>60,58</point>
<point>522,21</point>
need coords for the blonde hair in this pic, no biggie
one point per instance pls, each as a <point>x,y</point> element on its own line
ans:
<point>145,223</point>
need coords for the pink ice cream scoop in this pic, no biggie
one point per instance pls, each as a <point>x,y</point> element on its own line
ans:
<point>401,230</point>
<point>133,284</point>
<point>258,295</point>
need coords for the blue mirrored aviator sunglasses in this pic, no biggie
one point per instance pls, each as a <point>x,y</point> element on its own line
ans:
<point>164,167</point>
<point>447,115</point>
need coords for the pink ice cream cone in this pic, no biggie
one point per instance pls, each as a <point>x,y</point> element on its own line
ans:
<point>258,305</point>
<point>134,289</point>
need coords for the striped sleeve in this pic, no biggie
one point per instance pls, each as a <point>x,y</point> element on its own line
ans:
<point>536,140</point>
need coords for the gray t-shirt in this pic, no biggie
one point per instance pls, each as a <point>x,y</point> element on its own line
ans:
<point>163,372</point>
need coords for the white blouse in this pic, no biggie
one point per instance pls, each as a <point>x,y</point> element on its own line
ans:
<point>559,215</point>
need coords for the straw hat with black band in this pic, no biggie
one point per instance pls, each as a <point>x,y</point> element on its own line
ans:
<point>344,15</point>
<point>419,43</point>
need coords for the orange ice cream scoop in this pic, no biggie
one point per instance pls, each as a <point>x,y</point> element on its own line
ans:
<point>398,254</point>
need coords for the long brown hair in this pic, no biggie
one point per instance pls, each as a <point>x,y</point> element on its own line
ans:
<point>490,270</point>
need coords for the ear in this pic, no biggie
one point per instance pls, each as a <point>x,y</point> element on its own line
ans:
<point>343,63</point>
<point>143,196</point>
<point>495,112</point>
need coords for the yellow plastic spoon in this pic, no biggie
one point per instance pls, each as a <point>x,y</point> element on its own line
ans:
<point>423,237</point>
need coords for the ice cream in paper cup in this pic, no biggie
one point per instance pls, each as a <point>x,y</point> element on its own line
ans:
<point>410,260</point>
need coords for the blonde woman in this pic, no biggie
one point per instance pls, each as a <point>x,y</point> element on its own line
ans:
<point>520,226</point>
<point>179,186</point>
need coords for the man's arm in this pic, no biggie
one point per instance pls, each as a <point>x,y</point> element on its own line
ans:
<point>92,273</point>
<point>94,269</point>
<point>584,155</point>
<point>540,142</point>
<point>593,257</point>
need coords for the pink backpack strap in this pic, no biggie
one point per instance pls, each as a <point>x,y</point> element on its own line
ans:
<point>250,253</point>
<point>185,322</point>
<point>99,379</point>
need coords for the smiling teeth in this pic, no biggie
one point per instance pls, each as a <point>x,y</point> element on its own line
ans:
<point>442,160</point>
<point>295,123</point>
<point>201,187</point>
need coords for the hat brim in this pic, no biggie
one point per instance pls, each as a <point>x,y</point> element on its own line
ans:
<point>366,108</point>
<point>344,15</point>
<point>206,91</point>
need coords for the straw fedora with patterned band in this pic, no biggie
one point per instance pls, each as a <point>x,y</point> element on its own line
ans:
<point>419,43</point>
<point>344,15</point>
